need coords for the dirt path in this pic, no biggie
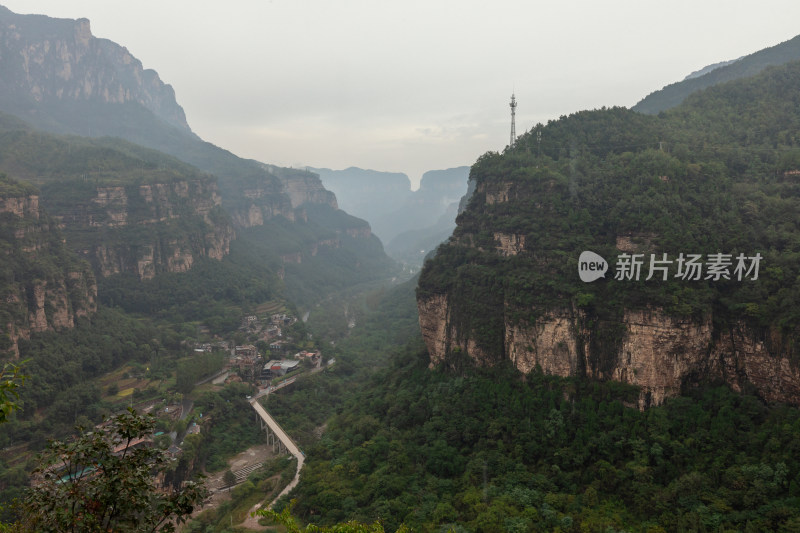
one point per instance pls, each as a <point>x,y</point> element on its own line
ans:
<point>256,454</point>
<point>251,522</point>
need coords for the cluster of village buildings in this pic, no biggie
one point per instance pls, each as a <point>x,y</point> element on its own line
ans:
<point>247,364</point>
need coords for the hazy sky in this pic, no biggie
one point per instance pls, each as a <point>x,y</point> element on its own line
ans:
<point>409,86</point>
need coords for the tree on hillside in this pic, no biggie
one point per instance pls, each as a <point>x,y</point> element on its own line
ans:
<point>10,381</point>
<point>107,480</point>
<point>229,478</point>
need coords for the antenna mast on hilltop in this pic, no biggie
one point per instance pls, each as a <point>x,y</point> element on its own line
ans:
<point>513,105</point>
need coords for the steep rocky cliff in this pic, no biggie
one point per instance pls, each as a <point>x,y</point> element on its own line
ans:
<point>43,286</point>
<point>123,207</point>
<point>275,192</point>
<point>52,62</point>
<point>143,228</point>
<point>303,187</point>
<point>386,201</point>
<point>509,285</point>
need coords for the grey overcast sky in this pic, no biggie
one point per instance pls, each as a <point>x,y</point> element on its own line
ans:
<point>413,85</point>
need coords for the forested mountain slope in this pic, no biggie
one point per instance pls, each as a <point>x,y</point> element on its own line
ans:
<point>60,78</point>
<point>124,208</point>
<point>718,175</point>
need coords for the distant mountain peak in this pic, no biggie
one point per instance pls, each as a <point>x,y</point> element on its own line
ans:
<point>705,70</point>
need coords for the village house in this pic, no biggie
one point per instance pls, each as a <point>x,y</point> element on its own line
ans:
<point>308,356</point>
<point>248,350</point>
<point>275,368</point>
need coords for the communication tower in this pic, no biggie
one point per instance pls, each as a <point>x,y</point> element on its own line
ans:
<point>513,105</point>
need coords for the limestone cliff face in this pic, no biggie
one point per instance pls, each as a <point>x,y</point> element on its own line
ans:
<point>435,327</point>
<point>280,192</point>
<point>325,243</point>
<point>509,244</point>
<point>307,188</point>
<point>362,232</point>
<point>553,344</point>
<point>56,60</point>
<point>258,203</point>
<point>22,207</point>
<point>45,287</point>
<point>149,228</point>
<point>441,334</point>
<point>658,353</point>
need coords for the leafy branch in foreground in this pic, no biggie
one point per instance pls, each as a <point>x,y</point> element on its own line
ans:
<point>107,480</point>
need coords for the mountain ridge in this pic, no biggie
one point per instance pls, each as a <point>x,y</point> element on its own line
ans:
<point>136,192</point>
<point>746,66</point>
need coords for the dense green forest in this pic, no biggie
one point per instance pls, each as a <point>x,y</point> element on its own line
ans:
<point>387,321</point>
<point>495,451</point>
<point>34,257</point>
<point>322,254</point>
<point>321,251</point>
<point>212,292</point>
<point>42,158</point>
<point>137,349</point>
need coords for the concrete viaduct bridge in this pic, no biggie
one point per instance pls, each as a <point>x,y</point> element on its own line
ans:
<point>278,437</point>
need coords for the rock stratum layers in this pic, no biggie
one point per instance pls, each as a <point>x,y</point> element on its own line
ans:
<point>648,348</point>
